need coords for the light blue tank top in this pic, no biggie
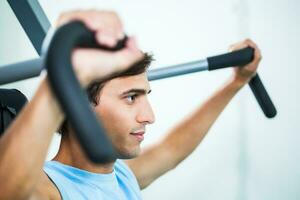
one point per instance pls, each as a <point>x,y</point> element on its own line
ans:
<point>74,183</point>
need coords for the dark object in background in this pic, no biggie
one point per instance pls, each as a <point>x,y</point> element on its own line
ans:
<point>11,103</point>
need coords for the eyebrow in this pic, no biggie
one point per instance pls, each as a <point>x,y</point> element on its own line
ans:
<point>137,91</point>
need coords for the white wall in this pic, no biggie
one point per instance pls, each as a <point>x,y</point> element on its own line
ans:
<point>273,146</point>
<point>245,155</point>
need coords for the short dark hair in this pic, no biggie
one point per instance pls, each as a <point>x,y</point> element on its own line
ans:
<point>93,90</point>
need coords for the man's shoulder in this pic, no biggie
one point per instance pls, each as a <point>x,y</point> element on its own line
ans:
<point>45,190</point>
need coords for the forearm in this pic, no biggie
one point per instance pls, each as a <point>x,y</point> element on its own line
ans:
<point>24,145</point>
<point>183,138</point>
<point>186,136</point>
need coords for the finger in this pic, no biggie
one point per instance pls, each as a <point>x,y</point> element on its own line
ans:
<point>104,23</point>
<point>111,30</point>
<point>106,62</point>
<point>238,46</point>
<point>106,38</point>
<point>84,16</point>
<point>257,52</point>
<point>117,26</point>
<point>129,55</point>
<point>131,43</point>
<point>252,44</point>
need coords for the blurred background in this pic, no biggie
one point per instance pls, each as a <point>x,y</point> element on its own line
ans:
<point>245,155</point>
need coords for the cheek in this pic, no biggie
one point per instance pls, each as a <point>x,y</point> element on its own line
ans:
<point>116,119</point>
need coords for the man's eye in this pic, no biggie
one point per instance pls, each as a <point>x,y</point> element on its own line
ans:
<point>131,98</point>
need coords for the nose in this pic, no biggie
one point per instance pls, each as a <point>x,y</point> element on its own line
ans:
<point>145,114</point>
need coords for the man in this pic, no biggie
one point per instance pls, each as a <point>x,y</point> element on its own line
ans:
<point>121,103</point>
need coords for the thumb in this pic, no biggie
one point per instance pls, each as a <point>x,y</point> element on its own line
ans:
<point>128,56</point>
<point>91,64</point>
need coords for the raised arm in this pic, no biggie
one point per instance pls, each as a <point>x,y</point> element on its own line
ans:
<point>187,135</point>
<point>24,145</point>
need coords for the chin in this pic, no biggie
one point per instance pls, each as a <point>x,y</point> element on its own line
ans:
<point>129,154</point>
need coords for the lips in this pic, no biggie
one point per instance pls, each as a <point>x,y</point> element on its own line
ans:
<point>138,135</point>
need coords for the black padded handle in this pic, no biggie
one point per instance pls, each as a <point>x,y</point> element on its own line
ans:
<point>240,58</point>
<point>262,97</point>
<point>72,98</point>
<point>236,58</point>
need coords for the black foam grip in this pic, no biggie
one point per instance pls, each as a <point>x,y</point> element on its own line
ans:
<point>241,58</point>
<point>236,58</point>
<point>262,97</point>
<point>72,98</point>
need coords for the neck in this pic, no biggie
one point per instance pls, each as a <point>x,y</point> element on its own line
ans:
<point>70,153</point>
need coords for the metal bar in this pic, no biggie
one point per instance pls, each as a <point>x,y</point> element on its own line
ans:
<point>31,68</point>
<point>33,20</point>
<point>176,70</point>
<point>20,71</point>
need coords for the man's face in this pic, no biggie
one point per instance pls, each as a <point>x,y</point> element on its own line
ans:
<point>125,111</point>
